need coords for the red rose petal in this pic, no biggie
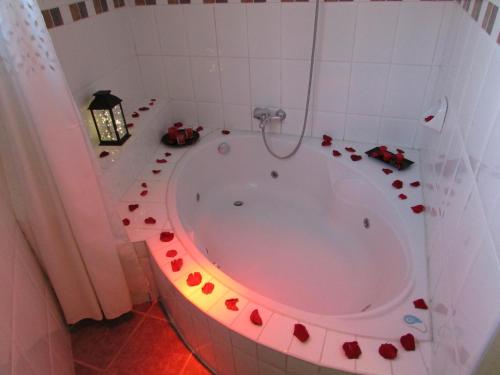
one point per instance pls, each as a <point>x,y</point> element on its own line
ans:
<point>388,351</point>
<point>428,118</point>
<point>326,143</point>
<point>103,154</point>
<point>418,208</point>
<point>193,279</point>
<point>135,115</point>
<point>386,155</point>
<point>144,109</point>
<point>133,207</point>
<point>150,220</point>
<point>399,151</point>
<point>166,236</point>
<point>327,138</point>
<point>199,128</point>
<point>144,193</point>
<point>356,157</point>
<point>167,154</point>
<point>374,154</point>
<point>351,349</point>
<point>420,304</point>
<point>300,331</point>
<point>225,132</point>
<point>408,342</point>
<point>130,125</point>
<point>176,264</point>
<point>178,125</point>
<point>208,288</point>
<point>336,153</point>
<point>255,318</point>
<point>382,148</point>
<point>171,253</point>
<point>156,171</point>
<point>398,184</point>
<point>399,157</point>
<point>231,304</point>
<point>387,170</point>
<point>153,100</point>
<point>402,196</point>
<point>144,185</point>
<point>161,161</point>
<point>415,183</point>
<point>350,149</point>
<point>126,222</point>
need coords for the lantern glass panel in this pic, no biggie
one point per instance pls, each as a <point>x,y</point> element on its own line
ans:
<point>105,124</point>
<point>119,121</point>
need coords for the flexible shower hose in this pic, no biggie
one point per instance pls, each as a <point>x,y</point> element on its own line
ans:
<point>306,113</point>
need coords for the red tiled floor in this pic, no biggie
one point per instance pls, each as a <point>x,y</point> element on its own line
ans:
<point>143,307</point>
<point>97,343</point>
<point>194,367</point>
<point>84,370</point>
<point>156,311</point>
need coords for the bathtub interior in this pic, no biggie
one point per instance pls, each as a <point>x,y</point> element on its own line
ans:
<point>322,240</point>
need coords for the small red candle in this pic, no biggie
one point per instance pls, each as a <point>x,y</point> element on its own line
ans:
<point>172,132</point>
<point>181,138</point>
<point>189,133</point>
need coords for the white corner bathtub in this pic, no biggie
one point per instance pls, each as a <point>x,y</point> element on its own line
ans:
<point>314,239</point>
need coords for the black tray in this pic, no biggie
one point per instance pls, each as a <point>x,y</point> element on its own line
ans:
<point>173,142</point>
<point>404,164</point>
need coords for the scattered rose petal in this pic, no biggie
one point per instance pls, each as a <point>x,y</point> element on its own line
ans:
<point>350,149</point>
<point>402,196</point>
<point>415,183</point>
<point>153,100</point>
<point>156,171</point>
<point>255,318</point>
<point>399,151</point>
<point>178,125</point>
<point>351,349</point>
<point>167,154</point>
<point>130,125</point>
<point>144,109</point>
<point>356,157</point>
<point>428,118</point>
<point>193,279</point>
<point>103,154</point>
<point>418,208</point>
<point>151,104</point>
<point>225,132</point>
<point>326,143</point>
<point>327,138</point>
<point>399,157</point>
<point>126,222</point>
<point>144,193</point>
<point>161,161</point>
<point>336,153</point>
<point>133,207</point>
<point>208,288</point>
<point>135,115</point>
<point>300,331</point>
<point>150,220</point>
<point>176,264</point>
<point>144,185</point>
<point>374,154</point>
<point>387,170</point>
<point>166,236</point>
<point>388,351</point>
<point>231,304</point>
<point>382,148</point>
<point>171,253</point>
<point>199,128</point>
<point>420,304</point>
<point>408,342</point>
<point>398,184</point>
<point>386,155</point>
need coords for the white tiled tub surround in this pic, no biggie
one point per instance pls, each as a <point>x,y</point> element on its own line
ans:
<point>460,168</point>
<point>34,337</point>
<point>231,344</point>
<point>374,62</point>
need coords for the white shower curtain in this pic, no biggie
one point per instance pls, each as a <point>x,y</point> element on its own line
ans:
<point>50,171</point>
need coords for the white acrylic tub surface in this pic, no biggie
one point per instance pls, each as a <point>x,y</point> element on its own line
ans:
<point>298,249</point>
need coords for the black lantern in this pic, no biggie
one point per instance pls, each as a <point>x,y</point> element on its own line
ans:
<point>109,120</point>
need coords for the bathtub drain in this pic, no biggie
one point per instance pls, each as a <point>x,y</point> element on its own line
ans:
<point>238,203</point>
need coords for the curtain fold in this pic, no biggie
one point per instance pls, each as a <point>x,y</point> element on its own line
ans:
<point>51,172</point>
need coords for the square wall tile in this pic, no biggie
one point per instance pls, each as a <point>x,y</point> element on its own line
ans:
<point>336,31</point>
<point>144,29</point>
<point>200,26</point>
<point>367,88</point>
<point>359,128</point>
<point>330,123</point>
<point>235,80</point>
<point>184,111</point>
<point>172,30</point>
<point>210,115</point>
<point>294,81</point>
<point>296,30</point>
<point>397,132</point>
<point>264,30</point>
<point>178,72</point>
<point>205,73</point>
<point>231,26</point>
<point>375,31</point>
<point>153,76</point>
<point>237,117</point>
<point>332,86</point>
<point>265,82</point>
<point>245,364</point>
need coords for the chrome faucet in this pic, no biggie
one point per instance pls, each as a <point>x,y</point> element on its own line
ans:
<point>266,115</point>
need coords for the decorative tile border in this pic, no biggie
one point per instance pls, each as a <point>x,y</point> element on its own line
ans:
<point>78,10</point>
<point>489,17</point>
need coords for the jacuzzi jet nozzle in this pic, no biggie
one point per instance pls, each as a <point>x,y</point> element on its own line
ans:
<point>238,203</point>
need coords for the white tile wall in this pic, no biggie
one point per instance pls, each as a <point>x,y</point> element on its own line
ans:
<point>34,337</point>
<point>461,170</point>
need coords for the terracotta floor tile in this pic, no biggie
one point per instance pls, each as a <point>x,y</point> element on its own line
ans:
<point>143,307</point>
<point>194,367</point>
<point>156,311</point>
<point>84,370</point>
<point>153,349</point>
<point>96,343</point>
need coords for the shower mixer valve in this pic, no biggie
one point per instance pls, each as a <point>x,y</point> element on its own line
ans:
<point>266,115</point>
